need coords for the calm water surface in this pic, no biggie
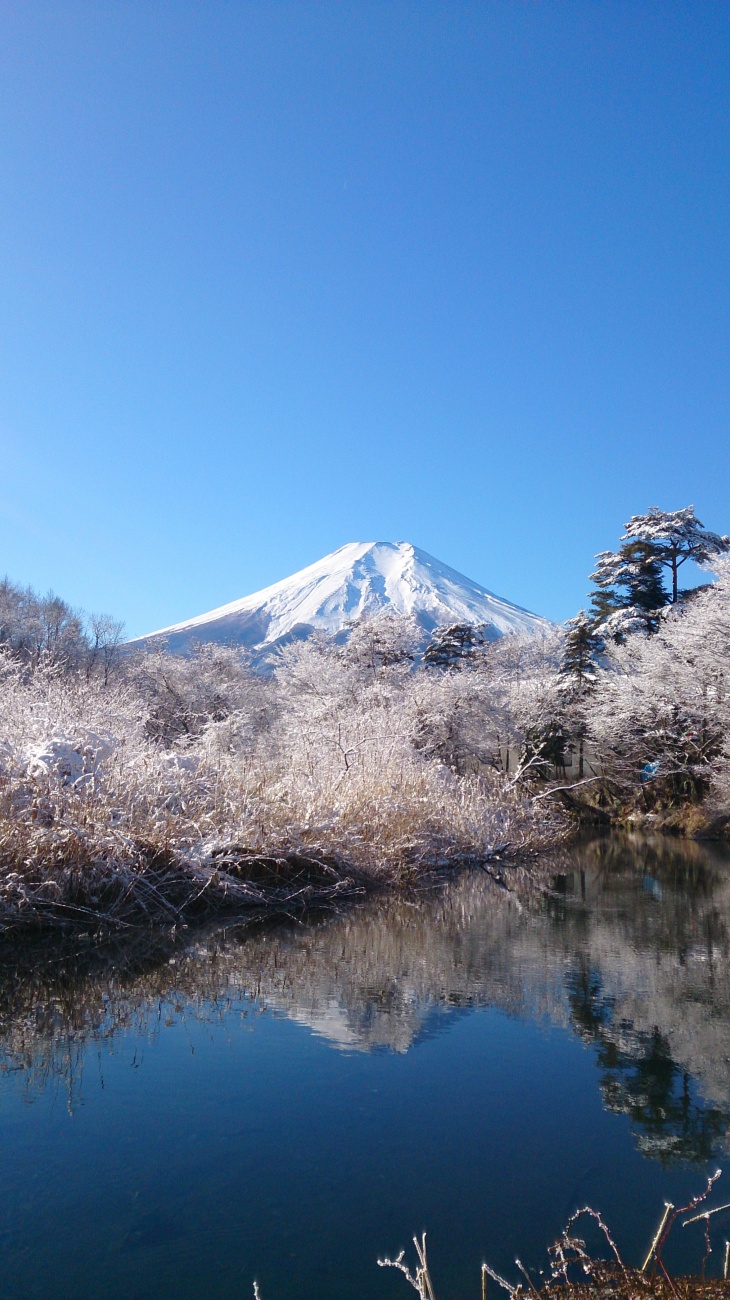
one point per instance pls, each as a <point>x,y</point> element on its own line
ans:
<point>288,1104</point>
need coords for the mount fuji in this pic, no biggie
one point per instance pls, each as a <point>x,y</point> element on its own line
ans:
<point>354,582</point>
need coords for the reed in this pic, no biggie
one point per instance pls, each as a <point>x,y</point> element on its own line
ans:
<point>575,1274</point>
<point>101,823</point>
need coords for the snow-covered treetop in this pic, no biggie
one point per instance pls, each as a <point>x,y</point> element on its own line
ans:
<point>675,536</point>
<point>679,530</point>
<point>631,579</point>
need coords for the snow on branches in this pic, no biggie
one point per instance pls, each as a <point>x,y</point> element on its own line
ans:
<point>629,593</point>
<point>675,536</point>
<point>661,709</point>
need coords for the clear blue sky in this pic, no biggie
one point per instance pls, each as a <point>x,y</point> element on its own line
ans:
<point>277,276</point>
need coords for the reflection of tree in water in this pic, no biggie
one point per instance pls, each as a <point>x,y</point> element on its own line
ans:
<point>642,974</point>
<point>640,1079</point>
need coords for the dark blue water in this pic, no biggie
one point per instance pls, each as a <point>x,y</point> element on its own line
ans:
<point>289,1105</point>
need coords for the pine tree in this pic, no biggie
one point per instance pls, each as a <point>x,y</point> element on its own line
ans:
<point>629,579</point>
<point>582,648</point>
<point>605,601</point>
<point>673,537</point>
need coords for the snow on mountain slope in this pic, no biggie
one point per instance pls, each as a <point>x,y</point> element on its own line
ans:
<point>354,582</point>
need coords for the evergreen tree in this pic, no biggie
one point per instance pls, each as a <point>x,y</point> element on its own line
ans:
<point>629,579</point>
<point>582,648</point>
<point>673,537</point>
<point>629,582</point>
<point>605,601</point>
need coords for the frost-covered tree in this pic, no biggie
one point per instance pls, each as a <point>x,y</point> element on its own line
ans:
<point>517,709</point>
<point>582,649</point>
<point>104,637</point>
<point>453,646</point>
<point>46,629</point>
<point>660,715</point>
<point>35,627</point>
<point>383,641</point>
<point>458,717</point>
<point>544,726</point>
<point>675,536</point>
<point>629,590</point>
<point>320,695</point>
<point>184,695</point>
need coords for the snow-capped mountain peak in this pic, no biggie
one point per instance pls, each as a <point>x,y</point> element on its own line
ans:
<point>354,582</point>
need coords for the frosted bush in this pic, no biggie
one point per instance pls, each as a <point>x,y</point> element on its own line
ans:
<point>336,757</point>
<point>70,760</point>
<point>664,699</point>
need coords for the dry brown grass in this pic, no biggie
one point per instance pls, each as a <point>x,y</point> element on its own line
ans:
<point>101,824</point>
<point>577,1275</point>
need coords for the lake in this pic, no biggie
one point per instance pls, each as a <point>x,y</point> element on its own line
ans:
<point>288,1103</point>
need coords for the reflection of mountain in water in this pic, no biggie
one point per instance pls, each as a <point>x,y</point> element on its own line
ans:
<point>630,949</point>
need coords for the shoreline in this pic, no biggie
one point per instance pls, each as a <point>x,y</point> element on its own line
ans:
<point>162,890</point>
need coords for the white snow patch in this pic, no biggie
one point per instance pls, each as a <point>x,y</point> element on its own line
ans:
<point>70,760</point>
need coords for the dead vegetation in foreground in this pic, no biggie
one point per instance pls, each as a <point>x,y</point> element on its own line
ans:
<point>574,1274</point>
<point>282,803</point>
<point>162,888</point>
